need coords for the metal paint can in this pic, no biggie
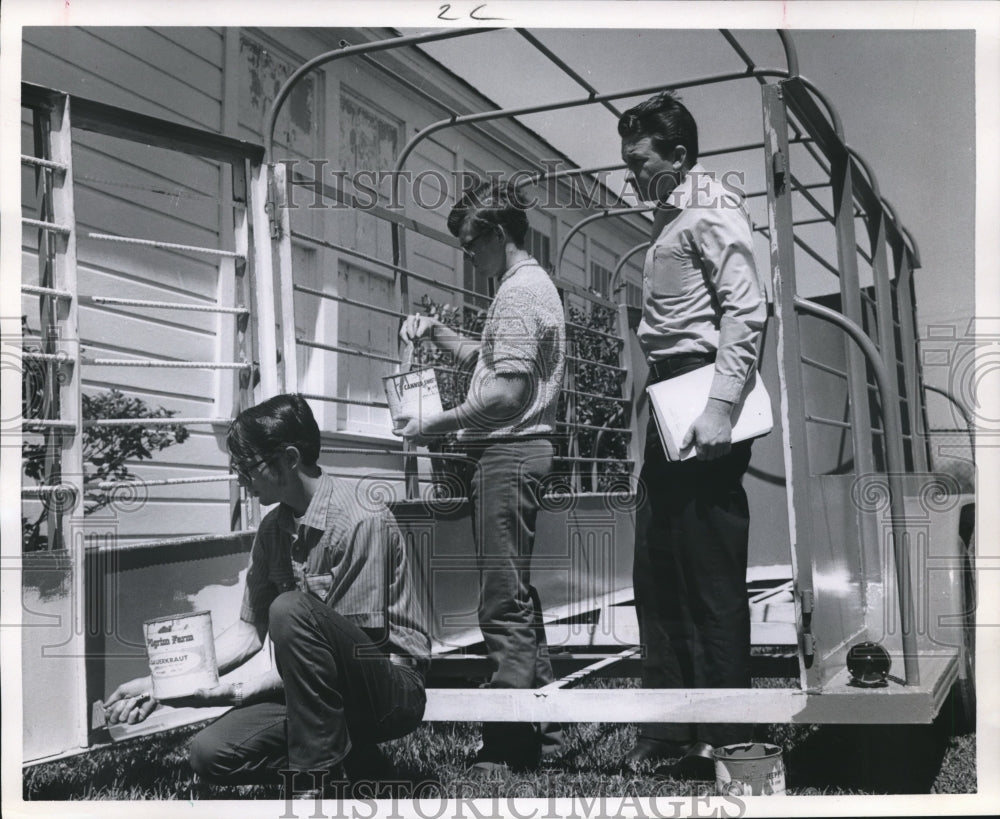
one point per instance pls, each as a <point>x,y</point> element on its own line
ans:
<point>749,769</point>
<point>181,651</point>
<point>414,394</point>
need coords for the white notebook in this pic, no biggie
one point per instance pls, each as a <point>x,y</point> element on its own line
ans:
<point>678,401</point>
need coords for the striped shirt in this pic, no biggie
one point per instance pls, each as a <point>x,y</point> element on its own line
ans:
<point>524,334</point>
<point>348,553</point>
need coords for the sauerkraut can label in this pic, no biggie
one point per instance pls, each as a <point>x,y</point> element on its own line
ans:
<point>181,653</point>
<point>412,395</point>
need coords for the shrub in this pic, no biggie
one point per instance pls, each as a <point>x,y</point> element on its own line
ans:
<point>107,451</point>
<point>588,341</point>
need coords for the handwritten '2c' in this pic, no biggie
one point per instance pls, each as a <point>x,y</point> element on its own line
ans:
<point>475,14</point>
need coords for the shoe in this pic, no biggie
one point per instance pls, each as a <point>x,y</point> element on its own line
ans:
<point>492,761</point>
<point>329,786</point>
<point>697,764</point>
<point>552,740</point>
<point>652,751</point>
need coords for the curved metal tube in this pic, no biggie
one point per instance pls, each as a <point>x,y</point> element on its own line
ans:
<point>792,70</point>
<point>911,242</point>
<point>791,55</point>
<point>535,178</point>
<point>348,51</point>
<point>792,63</point>
<point>566,69</point>
<point>604,214</point>
<point>502,113</point>
<point>873,181</point>
<point>891,210</point>
<point>895,468</point>
<point>970,427</point>
<point>621,263</point>
<point>907,238</point>
<point>835,121</point>
<point>862,162</point>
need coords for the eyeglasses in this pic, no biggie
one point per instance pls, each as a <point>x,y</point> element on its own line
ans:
<point>470,254</point>
<point>244,472</point>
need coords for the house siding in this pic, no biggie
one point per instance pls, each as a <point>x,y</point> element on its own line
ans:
<point>223,81</point>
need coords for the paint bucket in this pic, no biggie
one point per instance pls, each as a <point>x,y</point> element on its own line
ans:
<point>181,651</point>
<point>749,769</point>
<point>415,394</point>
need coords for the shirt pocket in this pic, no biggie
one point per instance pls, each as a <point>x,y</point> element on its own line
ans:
<point>319,585</point>
<point>674,272</point>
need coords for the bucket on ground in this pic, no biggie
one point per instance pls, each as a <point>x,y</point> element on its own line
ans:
<point>181,651</point>
<point>749,769</point>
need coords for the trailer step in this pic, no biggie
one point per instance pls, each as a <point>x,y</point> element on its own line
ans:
<point>837,702</point>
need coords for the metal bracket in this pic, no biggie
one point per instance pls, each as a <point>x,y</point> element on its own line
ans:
<point>779,170</point>
<point>808,639</point>
<point>272,221</point>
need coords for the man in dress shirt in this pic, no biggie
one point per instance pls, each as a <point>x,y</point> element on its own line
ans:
<point>328,581</point>
<point>703,303</point>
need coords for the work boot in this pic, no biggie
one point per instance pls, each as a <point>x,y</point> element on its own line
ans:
<point>697,764</point>
<point>649,751</point>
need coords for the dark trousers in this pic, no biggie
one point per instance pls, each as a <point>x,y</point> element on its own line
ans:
<point>690,582</point>
<point>504,492</point>
<point>337,694</point>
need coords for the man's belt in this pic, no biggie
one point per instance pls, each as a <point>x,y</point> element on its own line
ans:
<point>675,365</point>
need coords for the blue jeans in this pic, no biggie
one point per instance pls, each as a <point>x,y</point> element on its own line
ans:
<point>504,493</point>
<point>337,697</point>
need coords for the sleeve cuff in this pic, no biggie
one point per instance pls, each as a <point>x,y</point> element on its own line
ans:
<point>514,366</point>
<point>727,388</point>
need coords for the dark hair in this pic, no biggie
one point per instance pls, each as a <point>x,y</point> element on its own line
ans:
<point>263,430</point>
<point>665,120</point>
<point>492,204</point>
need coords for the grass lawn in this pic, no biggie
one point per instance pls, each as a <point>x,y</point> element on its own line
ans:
<point>818,760</point>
